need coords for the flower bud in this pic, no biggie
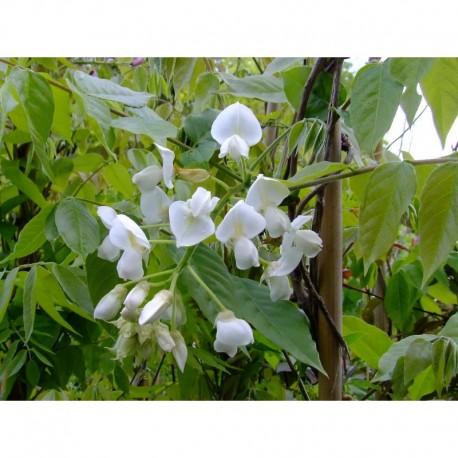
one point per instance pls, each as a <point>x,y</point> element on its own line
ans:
<point>179,351</point>
<point>137,295</point>
<point>163,337</point>
<point>156,307</point>
<point>180,311</point>
<point>130,315</point>
<point>136,61</point>
<point>109,305</point>
<point>231,333</point>
<point>193,175</point>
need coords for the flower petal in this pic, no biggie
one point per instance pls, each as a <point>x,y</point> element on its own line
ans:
<point>300,220</point>
<point>125,233</point>
<point>137,295</point>
<point>155,307</point>
<point>286,264</point>
<point>237,119</point>
<point>168,157</point>
<point>163,337</point>
<point>148,178</point>
<point>155,206</point>
<point>280,288</point>
<point>201,202</point>
<point>235,146</point>
<point>231,330</point>
<point>107,215</point>
<point>130,265</point>
<point>179,351</point>
<point>230,350</point>
<point>309,242</point>
<point>266,192</point>
<point>277,221</point>
<point>246,254</point>
<point>108,307</point>
<point>107,250</point>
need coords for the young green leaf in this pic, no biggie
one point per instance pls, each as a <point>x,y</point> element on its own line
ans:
<point>409,71</point>
<point>440,88</point>
<point>374,101</point>
<point>77,226</point>
<point>118,177</point>
<point>438,217</point>
<point>30,302</point>
<point>388,193</point>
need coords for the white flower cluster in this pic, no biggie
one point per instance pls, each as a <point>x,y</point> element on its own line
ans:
<point>235,129</point>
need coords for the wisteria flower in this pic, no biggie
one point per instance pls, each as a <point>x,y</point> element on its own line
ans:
<point>236,129</point>
<point>179,351</point>
<point>108,307</point>
<point>231,333</point>
<point>265,195</point>
<point>239,226</point>
<point>296,244</point>
<point>107,250</point>
<point>190,221</point>
<point>156,307</point>
<point>280,287</point>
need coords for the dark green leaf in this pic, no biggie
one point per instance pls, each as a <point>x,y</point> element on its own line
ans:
<point>418,358</point>
<point>121,379</point>
<point>438,217</point>
<point>101,276</point>
<point>440,88</point>
<point>198,127</point>
<point>77,226</point>
<point>199,156</point>
<point>389,192</point>
<point>374,102</point>
<point>7,291</point>
<point>32,372</point>
<point>30,302</point>
<point>294,81</point>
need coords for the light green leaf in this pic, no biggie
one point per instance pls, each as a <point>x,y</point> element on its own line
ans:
<point>7,291</point>
<point>374,102</point>
<point>438,217</point>
<point>294,81</point>
<point>409,71</point>
<point>263,87</point>
<point>317,170</point>
<point>280,64</point>
<point>62,120</point>
<point>388,361</point>
<point>206,88</point>
<point>423,384</point>
<point>75,288</point>
<point>390,189</point>
<point>156,129</point>
<point>418,358</point>
<point>182,72</point>
<point>369,344</point>
<point>451,328</point>
<point>440,88</point>
<point>77,226</point>
<point>410,101</point>
<point>23,182</point>
<point>32,236</point>
<point>198,127</point>
<point>87,163</point>
<point>117,176</point>
<point>108,90</point>
<point>30,302</point>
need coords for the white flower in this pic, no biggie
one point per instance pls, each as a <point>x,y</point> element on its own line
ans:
<point>190,222</point>
<point>280,287</point>
<point>108,307</point>
<point>236,129</point>
<point>231,333</point>
<point>137,295</point>
<point>179,351</point>
<point>148,178</point>
<point>296,244</point>
<point>107,250</point>
<point>156,307</point>
<point>265,195</point>
<point>126,235</point>
<point>163,337</point>
<point>167,165</point>
<point>239,226</point>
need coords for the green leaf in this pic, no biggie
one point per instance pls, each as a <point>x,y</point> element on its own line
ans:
<point>440,88</point>
<point>32,236</point>
<point>206,88</point>
<point>374,102</point>
<point>199,156</point>
<point>409,71</point>
<point>279,64</point>
<point>418,358</point>
<point>121,379</point>
<point>108,90</point>
<point>157,129</point>
<point>32,372</point>
<point>390,189</point>
<point>62,120</point>
<point>262,87</point>
<point>423,384</point>
<point>317,170</point>
<point>182,72</point>
<point>30,302</point>
<point>451,328</point>
<point>77,226</point>
<point>23,182</point>
<point>369,343</point>
<point>16,364</point>
<point>35,96</point>
<point>438,217</point>
<point>197,127</point>
<point>117,176</point>
<point>87,163</point>
<point>294,81</point>
<point>101,276</point>
<point>399,349</point>
<point>74,287</point>
<point>7,291</point>
<point>281,322</point>
<point>402,292</point>
<point>410,101</point>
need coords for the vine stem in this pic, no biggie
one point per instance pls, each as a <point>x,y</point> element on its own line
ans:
<point>212,295</point>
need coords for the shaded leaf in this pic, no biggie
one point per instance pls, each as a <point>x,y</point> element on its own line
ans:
<point>156,129</point>
<point>418,358</point>
<point>7,291</point>
<point>29,302</point>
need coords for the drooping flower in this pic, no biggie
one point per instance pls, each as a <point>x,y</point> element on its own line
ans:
<point>231,333</point>
<point>108,307</point>
<point>167,164</point>
<point>190,221</point>
<point>236,129</point>
<point>163,337</point>
<point>296,244</point>
<point>239,226</point>
<point>156,307</point>
<point>179,351</point>
<point>107,250</point>
<point>280,287</point>
<point>126,235</point>
<point>265,195</point>
<point>137,295</point>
